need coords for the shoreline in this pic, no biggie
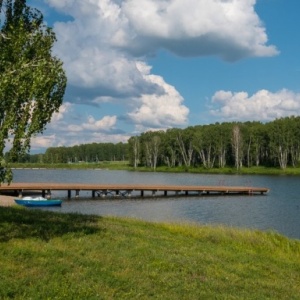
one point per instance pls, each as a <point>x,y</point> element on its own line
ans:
<point>7,200</point>
<point>259,170</point>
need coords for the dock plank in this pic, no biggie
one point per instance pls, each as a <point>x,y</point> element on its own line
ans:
<point>116,188</point>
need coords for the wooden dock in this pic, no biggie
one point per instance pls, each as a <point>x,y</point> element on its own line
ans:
<point>128,190</point>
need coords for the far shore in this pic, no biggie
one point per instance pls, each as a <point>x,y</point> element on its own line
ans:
<point>113,165</point>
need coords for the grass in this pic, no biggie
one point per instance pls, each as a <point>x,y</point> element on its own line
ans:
<point>47,255</point>
<point>230,170</point>
<point>124,165</point>
<point>111,165</point>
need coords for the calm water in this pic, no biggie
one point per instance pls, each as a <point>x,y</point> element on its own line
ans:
<point>279,210</point>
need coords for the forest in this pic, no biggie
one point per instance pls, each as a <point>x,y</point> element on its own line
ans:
<point>233,144</point>
<point>90,153</point>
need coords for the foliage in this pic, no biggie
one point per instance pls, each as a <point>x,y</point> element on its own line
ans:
<point>95,153</point>
<point>46,255</point>
<point>236,144</point>
<point>111,165</point>
<point>91,153</point>
<point>214,148</point>
<point>124,165</point>
<point>32,81</point>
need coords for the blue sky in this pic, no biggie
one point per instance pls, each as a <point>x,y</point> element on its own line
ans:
<point>137,65</point>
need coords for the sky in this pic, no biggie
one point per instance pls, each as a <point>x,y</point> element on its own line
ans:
<point>139,65</point>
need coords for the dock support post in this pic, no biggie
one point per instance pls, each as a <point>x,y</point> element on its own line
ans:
<point>69,194</point>
<point>142,193</point>
<point>117,193</point>
<point>48,194</point>
<point>166,193</point>
<point>43,193</point>
<point>93,194</point>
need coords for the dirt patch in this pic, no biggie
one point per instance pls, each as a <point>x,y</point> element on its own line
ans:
<point>6,200</point>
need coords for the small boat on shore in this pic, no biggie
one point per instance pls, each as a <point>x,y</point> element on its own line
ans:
<point>38,201</point>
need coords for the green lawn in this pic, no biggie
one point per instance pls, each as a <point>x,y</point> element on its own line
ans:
<point>46,255</point>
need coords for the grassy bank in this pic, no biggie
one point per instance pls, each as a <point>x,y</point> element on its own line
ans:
<point>229,170</point>
<point>111,165</point>
<point>117,165</point>
<point>47,255</point>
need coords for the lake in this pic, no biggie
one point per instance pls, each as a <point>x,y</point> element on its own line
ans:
<point>279,210</point>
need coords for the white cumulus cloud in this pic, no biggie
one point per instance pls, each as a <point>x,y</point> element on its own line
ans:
<point>103,43</point>
<point>158,111</point>
<point>68,127</point>
<point>107,123</point>
<point>44,141</point>
<point>262,106</point>
<point>63,110</point>
<point>230,29</point>
<point>105,46</point>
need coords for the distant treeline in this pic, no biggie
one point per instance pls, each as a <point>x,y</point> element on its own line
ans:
<point>95,152</point>
<point>232,144</point>
<point>235,144</point>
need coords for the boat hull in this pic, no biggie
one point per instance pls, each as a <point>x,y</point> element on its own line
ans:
<point>33,203</point>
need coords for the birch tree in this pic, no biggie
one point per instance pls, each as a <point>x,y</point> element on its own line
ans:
<point>32,80</point>
<point>204,144</point>
<point>134,148</point>
<point>237,146</point>
<point>186,147</point>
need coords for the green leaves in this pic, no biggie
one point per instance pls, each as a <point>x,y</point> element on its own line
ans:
<point>32,81</point>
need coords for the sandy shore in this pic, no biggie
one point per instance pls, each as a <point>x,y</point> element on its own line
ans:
<point>6,200</point>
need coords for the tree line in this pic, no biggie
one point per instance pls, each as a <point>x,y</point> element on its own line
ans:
<point>90,153</point>
<point>219,145</point>
<point>234,144</point>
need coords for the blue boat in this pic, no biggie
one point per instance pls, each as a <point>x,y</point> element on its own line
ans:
<point>38,201</point>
